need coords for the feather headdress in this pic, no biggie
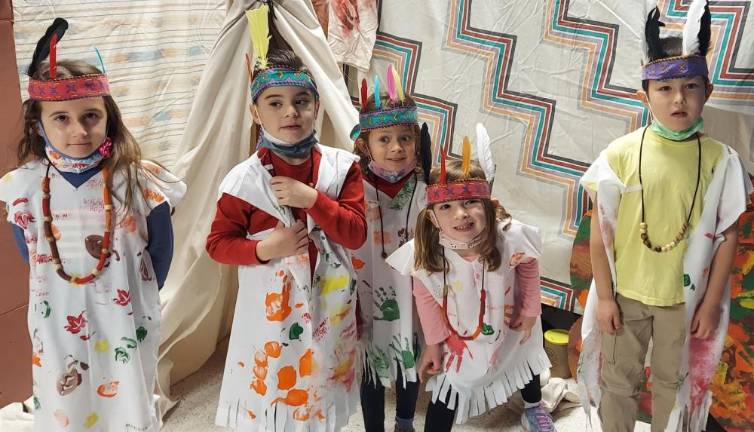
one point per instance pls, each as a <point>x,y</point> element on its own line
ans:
<point>390,110</point>
<point>695,43</point>
<point>54,89</point>
<point>464,188</point>
<point>263,74</point>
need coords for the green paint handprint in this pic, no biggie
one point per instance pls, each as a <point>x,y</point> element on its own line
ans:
<point>405,353</point>
<point>387,304</point>
<point>380,362</point>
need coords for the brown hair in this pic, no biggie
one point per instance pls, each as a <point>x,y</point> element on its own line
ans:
<point>427,236</point>
<point>361,145</point>
<point>126,155</point>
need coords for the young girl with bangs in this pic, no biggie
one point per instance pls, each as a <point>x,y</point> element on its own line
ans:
<point>476,285</point>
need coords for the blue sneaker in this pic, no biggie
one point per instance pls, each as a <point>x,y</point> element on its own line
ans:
<point>537,419</point>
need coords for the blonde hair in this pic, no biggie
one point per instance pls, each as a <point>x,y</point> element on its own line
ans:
<point>428,255</point>
<point>126,154</point>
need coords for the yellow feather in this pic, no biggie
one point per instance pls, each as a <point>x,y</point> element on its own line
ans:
<point>466,154</point>
<point>260,34</point>
<point>398,85</point>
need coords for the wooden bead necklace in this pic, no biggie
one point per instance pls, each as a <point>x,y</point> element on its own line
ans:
<point>643,225</point>
<point>50,237</point>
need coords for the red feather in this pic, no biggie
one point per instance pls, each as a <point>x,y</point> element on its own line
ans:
<point>363,94</point>
<point>53,55</point>
<point>443,156</point>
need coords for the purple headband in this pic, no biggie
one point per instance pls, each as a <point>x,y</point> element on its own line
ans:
<point>675,67</point>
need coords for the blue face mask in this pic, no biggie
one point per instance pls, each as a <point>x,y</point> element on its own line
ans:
<point>70,164</point>
<point>665,132</point>
<point>300,149</point>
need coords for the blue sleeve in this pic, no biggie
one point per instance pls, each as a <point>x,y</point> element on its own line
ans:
<point>18,235</point>
<point>160,244</point>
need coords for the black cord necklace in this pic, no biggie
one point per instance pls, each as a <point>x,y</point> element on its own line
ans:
<point>379,210</point>
<point>643,225</point>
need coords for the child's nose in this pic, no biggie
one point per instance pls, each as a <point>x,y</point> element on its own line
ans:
<point>292,111</point>
<point>79,128</point>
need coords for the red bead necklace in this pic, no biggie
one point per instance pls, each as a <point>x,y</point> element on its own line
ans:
<point>482,305</point>
<point>49,236</point>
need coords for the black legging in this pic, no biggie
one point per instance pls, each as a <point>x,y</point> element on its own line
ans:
<point>373,401</point>
<point>440,417</point>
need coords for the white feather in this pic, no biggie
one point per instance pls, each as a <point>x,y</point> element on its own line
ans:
<point>484,152</point>
<point>691,29</point>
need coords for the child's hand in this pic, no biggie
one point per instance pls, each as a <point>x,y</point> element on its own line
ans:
<point>608,315</point>
<point>284,242</point>
<point>524,324</point>
<point>706,319</point>
<point>430,361</point>
<point>293,193</point>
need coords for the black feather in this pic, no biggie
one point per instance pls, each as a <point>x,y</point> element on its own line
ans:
<point>58,27</point>
<point>652,35</point>
<point>704,31</point>
<point>425,152</point>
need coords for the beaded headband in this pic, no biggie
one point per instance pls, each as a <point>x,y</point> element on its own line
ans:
<point>695,43</point>
<point>279,77</point>
<point>261,75</point>
<point>675,67</point>
<point>63,89</point>
<point>465,188</point>
<point>384,115</point>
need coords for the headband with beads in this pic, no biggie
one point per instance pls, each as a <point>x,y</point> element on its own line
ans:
<point>62,89</point>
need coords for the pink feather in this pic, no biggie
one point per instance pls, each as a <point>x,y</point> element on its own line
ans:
<point>391,91</point>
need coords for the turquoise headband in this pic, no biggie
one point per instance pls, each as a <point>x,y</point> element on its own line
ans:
<point>279,77</point>
<point>384,118</point>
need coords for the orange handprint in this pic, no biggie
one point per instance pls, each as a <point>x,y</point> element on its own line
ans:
<point>278,308</point>
<point>456,347</point>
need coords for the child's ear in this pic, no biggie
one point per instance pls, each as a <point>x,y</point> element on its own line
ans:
<point>254,113</point>
<point>708,91</point>
<point>642,95</point>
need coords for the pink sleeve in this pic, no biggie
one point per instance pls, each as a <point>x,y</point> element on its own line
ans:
<point>430,314</point>
<point>529,298</point>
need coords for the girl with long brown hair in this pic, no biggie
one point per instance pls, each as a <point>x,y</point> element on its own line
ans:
<point>93,221</point>
<point>476,285</point>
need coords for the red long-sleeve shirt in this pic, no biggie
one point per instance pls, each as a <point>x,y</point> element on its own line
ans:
<point>343,221</point>
<point>389,189</point>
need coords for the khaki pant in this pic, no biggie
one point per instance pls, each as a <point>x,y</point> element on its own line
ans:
<point>623,356</point>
